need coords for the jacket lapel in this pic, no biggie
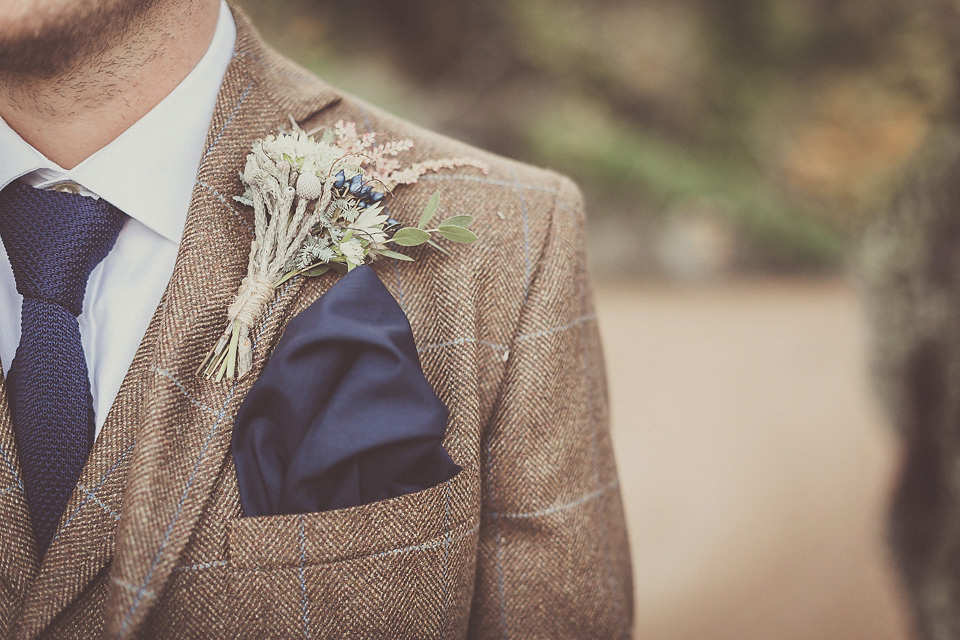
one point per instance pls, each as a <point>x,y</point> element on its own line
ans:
<point>184,436</point>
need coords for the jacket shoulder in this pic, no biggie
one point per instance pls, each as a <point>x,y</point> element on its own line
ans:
<point>529,221</point>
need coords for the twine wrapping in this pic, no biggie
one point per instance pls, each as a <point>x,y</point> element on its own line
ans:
<point>252,298</point>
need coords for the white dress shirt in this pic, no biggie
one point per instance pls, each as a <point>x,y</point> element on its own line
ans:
<point>148,172</point>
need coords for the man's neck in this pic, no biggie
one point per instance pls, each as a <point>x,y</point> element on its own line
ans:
<point>70,116</point>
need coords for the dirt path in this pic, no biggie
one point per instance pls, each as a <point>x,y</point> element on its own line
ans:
<point>753,460</point>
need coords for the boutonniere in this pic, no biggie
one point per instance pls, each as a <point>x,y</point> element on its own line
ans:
<point>320,204</point>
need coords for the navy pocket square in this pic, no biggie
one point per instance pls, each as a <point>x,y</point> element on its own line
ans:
<point>342,414</point>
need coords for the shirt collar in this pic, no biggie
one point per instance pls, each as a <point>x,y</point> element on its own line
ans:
<point>149,170</point>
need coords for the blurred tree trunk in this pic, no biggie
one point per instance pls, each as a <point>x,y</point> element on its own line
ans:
<point>911,265</point>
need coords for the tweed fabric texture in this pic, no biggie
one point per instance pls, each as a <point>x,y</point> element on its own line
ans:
<point>526,541</point>
<point>53,240</point>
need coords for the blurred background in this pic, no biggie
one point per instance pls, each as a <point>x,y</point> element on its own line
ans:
<point>731,152</point>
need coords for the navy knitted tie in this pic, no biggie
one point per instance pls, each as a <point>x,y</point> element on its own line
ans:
<point>54,240</point>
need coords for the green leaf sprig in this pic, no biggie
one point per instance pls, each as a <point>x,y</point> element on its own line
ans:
<point>454,229</point>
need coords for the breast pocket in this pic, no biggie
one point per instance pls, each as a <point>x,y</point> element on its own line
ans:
<point>398,568</point>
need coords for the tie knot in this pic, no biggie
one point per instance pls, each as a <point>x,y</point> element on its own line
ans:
<point>54,240</point>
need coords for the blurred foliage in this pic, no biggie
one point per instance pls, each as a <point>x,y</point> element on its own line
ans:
<point>758,132</point>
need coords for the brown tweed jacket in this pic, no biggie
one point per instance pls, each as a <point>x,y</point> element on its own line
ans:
<point>528,541</point>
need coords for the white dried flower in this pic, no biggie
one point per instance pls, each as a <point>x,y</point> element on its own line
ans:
<point>352,250</point>
<point>250,169</point>
<point>309,186</point>
<point>370,224</point>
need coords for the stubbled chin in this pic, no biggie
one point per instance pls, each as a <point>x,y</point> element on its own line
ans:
<point>47,37</point>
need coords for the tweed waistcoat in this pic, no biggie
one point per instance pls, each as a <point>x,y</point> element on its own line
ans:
<point>527,541</point>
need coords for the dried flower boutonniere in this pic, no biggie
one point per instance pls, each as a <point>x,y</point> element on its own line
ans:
<point>319,204</point>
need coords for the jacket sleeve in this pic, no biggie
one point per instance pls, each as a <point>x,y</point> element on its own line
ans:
<point>553,558</point>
